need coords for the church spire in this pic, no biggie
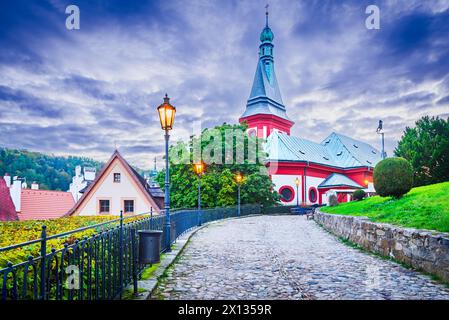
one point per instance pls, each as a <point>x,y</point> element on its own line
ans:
<point>265,98</point>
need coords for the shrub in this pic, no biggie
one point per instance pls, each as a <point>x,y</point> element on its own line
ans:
<point>359,195</point>
<point>333,200</point>
<point>393,177</point>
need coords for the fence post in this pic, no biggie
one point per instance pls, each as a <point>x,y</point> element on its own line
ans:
<point>43,263</point>
<point>134,248</point>
<point>120,257</point>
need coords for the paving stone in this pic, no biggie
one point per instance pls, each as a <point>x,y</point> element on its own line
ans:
<point>287,257</point>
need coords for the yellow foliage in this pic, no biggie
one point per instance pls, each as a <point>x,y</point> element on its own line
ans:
<point>22,231</point>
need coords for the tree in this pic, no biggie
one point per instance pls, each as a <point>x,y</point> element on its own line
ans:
<point>426,146</point>
<point>218,187</point>
<point>393,177</point>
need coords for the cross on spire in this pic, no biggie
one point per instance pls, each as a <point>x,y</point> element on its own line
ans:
<point>266,12</point>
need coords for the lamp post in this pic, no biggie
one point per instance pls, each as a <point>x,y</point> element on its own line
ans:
<point>297,192</point>
<point>238,180</point>
<point>380,131</point>
<point>167,116</point>
<point>199,170</point>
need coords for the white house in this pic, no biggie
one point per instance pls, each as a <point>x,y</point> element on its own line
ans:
<point>118,187</point>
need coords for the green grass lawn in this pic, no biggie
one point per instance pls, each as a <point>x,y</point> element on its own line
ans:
<point>423,208</point>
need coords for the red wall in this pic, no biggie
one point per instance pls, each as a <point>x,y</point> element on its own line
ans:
<point>269,121</point>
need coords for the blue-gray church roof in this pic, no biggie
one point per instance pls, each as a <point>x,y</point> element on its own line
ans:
<point>336,150</point>
<point>338,180</point>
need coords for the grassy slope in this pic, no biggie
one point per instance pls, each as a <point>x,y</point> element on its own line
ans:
<point>423,207</point>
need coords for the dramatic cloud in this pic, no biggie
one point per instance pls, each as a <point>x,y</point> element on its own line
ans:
<point>86,91</point>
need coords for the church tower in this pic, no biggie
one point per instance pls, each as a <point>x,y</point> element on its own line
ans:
<point>265,112</point>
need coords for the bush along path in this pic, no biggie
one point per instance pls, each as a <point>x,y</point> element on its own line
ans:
<point>285,257</point>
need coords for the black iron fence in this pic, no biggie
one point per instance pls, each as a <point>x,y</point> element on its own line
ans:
<point>98,266</point>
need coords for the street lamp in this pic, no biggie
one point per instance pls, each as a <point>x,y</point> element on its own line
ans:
<point>380,131</point>
<point>297,192</point>
<point>167,116</point>
<point>199,170</point>
<point>238,180</point>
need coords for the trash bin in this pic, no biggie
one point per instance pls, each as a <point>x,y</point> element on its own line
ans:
<point>149,246</point>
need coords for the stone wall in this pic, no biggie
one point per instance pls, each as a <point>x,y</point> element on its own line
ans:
<point>422,249</point>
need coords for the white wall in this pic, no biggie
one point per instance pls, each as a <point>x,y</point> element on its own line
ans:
<point>280,180</point>
<point>116,193</point>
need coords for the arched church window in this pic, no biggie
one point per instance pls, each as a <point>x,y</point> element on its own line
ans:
<point>313,195</point>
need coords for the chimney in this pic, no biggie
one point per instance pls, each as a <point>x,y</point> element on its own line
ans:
<point>16,193</point>
<point>35,186</point>
<point>7,178</point>
<point>89,173</point>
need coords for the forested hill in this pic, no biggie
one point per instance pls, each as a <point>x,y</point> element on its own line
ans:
<point>51,172</point>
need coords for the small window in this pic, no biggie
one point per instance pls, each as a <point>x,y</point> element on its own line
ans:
<point>117,177</point>
<point>104,206</point>
<point>312,195</point>
<point>355,146</point>
<point>128,206</point>
<point>287,193</point>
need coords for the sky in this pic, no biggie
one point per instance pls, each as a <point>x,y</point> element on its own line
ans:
<point>85,92</point>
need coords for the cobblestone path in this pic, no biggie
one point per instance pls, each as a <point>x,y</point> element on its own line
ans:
<point>286,257</point>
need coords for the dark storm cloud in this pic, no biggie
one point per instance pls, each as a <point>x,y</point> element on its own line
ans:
<point>90,90</point>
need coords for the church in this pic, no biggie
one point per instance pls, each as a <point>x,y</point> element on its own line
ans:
<point>303,171</point>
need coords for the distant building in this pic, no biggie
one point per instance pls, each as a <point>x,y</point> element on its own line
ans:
<point>7,208</point>
<point>31,204</point>
<point>339,164</point>
<point>118,187</point>
<point>81,180</point>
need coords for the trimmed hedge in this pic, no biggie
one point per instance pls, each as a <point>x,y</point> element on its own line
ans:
<point>359,195</point>
<point>393,177</point>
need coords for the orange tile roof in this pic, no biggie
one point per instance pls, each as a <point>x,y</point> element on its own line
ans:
<point>44,204</point>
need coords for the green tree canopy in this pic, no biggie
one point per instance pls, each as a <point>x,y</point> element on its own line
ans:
<point>226,150</point>
<point>426,146</point>
<point>51,172</point>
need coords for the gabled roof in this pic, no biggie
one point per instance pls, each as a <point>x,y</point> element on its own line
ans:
<point>335,151</point>
<point>155,200</point>
<point>44,204</point>
<point>7,209</point>
<point>339,180</point>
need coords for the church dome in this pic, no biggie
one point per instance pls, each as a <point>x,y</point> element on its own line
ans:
<point>266,35</point>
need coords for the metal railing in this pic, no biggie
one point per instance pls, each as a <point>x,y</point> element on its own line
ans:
<point>98,266</point>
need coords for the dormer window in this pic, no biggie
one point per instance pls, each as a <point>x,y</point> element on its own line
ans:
<point>117,177</point>
<point>355,146</point>
<point>369,161</point>
<point>325,158</point>
<point>374,152</point>
<point>340,153</point>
